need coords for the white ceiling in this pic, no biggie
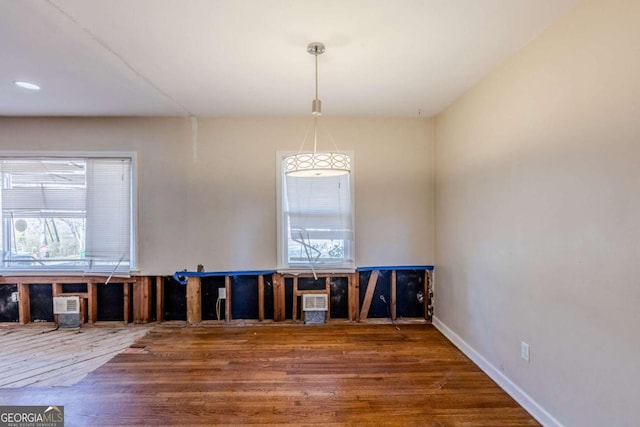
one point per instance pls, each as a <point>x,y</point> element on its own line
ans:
<point>248,57</point>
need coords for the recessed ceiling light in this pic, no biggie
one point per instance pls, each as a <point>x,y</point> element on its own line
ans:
<point>26,85</point>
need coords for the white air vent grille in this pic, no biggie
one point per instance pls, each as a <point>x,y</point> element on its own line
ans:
<point>314,302</point>
<point>66,305</point>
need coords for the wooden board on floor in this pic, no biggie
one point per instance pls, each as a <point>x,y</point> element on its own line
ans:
<point>44,357</point>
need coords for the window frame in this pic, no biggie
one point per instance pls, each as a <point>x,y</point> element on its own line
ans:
<point>281,231</point>
<point>133,211</point>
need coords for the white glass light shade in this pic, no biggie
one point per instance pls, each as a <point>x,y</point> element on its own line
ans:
<point>317,164</point>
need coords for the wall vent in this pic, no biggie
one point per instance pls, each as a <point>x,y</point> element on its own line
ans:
<point>315,302</point>
<point>66,305</point>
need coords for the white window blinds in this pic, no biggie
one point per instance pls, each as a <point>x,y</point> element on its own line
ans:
<point>318,221</point>
<point>67,213</point>
<point>108,214</point>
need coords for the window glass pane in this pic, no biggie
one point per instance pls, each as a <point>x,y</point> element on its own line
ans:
<point>320,251</point>
<point>56,209</point>
<point>46,242</point>
<point>317,218</point>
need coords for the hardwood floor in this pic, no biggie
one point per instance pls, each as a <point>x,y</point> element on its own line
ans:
<point>330,374</point>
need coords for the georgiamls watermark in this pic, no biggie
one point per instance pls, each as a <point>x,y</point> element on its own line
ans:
<point>31,416</point>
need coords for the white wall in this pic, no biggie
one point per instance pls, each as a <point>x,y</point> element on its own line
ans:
<point>217,206</point>
<point>538,217</point>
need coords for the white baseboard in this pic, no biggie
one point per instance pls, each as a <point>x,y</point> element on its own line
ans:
<point>537,411</point>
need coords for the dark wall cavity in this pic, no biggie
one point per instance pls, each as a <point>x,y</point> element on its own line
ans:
<point>288,298</point>
<point>410,293</point>
<point>110,302</point>
<point>339,295</point>
<point>380,307</point>
<point>8,308</point>
<point>70,288</point>
<point>41,303</point>
<point>268,296</point>
<point>175,300</point>
<point>244,297</point>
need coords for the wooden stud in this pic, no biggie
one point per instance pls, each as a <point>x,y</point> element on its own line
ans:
<point>194,300</point>
<point>354,296</point>
<point>159,299</point>
<point>260,297</point>
<point>393,295</point>
<point>428,314</point>
<point>56,289</point>
<point>24,309</point>
<point>279,309</point>
<point>126,291</point>
<point>84,317</point>
<point>142,300</point>
<point>227,302</point>
<point>294,311</point>
<point>92,301</point>
<point>371,286</point>
<point>312,291</point>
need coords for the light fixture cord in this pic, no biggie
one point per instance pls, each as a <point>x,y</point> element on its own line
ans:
<point>315,114</point>
<point>316,55</point>
<point>315,133</point>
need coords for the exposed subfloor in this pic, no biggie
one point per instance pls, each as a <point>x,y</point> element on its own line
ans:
<point>43,355</point>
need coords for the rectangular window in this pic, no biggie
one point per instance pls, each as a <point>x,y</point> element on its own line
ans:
<point>67,213</point>
<point>315,222</point>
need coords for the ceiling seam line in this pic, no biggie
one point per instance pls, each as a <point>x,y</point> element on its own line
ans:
<point>108,48</point>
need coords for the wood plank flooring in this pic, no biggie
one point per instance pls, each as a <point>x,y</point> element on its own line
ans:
<point>334,374</point>
<point>46,356</point>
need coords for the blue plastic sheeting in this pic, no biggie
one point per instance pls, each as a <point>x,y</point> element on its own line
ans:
<point>181,276</point>
<point>397,267</point>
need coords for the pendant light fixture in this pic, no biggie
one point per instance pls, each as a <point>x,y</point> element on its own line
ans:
<point>317,164</point>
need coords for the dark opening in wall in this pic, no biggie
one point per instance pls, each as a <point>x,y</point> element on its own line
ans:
<point>288,298</point>
<point>209,286</point>
<point>110,302</point>
<point>378,308</point>
<point>41,303</point>
<point>311,284</point>
<point>244,297</point>
<point>410,293</point>
<point>154,302</point>
<point>71,288</point>
<point>339,294</point>
<point>175,300</point>
<point>8,307</point>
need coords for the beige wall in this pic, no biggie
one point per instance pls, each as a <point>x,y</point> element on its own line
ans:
<point>538,217</point>
<point>217,206</point>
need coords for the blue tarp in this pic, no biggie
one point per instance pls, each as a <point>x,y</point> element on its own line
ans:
<point>181,276</point>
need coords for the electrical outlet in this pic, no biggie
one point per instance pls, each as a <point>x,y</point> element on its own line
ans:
<point>222,293</point>
<point>525,351</point>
